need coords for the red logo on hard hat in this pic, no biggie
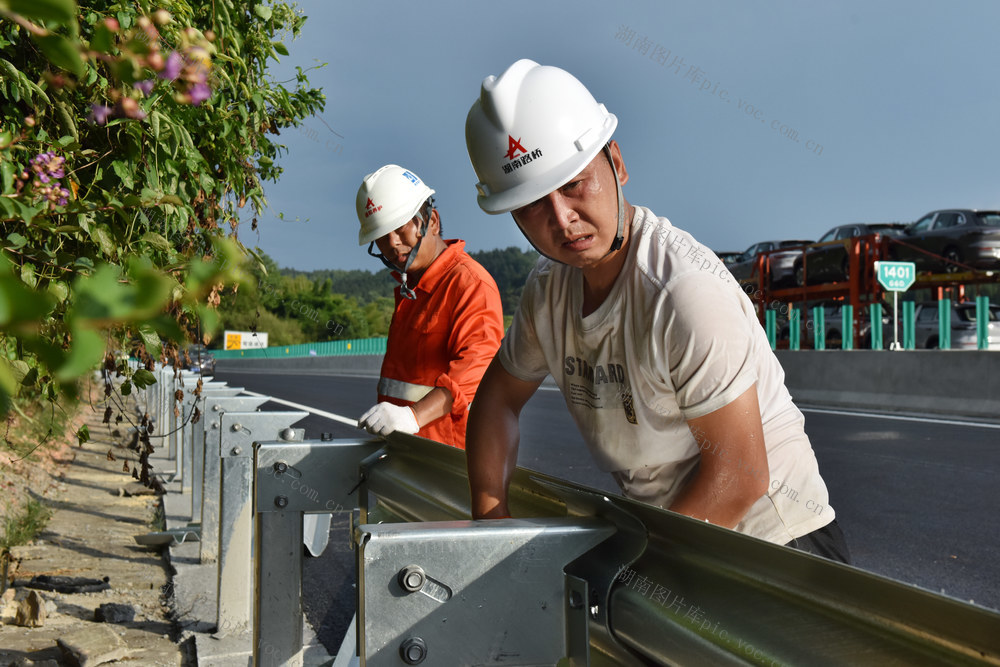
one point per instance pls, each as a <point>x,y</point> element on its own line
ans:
<point>371,208</point>
<point>513,146</point>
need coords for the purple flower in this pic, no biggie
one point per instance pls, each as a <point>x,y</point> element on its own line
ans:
<point>99,114</point>
<point>145,87</point>
<point>47,166</point>
<point>172,68</point>
<point>199,92</point>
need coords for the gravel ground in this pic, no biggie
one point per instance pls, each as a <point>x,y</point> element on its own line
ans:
<point>98,510</point>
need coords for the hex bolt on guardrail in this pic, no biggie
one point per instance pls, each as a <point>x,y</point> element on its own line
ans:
<point>413,650</point>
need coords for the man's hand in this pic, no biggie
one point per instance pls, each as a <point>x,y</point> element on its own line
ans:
<point>384,418</point>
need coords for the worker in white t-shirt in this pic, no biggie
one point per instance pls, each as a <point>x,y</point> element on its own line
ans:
<point>657,351</point>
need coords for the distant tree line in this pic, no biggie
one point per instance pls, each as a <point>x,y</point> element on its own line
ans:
<point>294,306</point>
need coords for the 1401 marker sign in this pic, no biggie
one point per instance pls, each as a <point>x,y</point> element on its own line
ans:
<point>896,276</point>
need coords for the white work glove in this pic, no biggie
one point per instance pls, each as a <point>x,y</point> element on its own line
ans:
<point>384,418</point>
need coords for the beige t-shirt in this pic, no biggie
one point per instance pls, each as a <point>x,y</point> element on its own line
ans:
<point>675,339</point>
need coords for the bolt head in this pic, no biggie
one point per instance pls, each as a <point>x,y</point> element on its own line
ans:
<point>237,451</point>
<point>280,501</point>
<point>412,578</point>
<point>413,650</point>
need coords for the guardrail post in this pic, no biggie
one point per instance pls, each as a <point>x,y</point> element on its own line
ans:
<point>771,327</point>
<point>983,322</point>
<point>819,328</point>
<point>876,329</point>
<point>847,327</point>
<point>198,444</point>
<point>909,325</point>
<point>944,323</point>
<point>290,480</point>
<point>239,432</point>
<point>215,407</point>
<point>794,328</point>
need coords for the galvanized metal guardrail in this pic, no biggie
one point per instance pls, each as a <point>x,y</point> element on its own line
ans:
<point>579,578</point>
<point>583,577</point>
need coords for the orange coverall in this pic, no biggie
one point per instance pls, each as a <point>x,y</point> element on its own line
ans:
<point>446,337</point>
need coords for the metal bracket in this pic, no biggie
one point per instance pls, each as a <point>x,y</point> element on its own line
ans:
<point>293,479</point>
<point>311,476</point>
<point>472,592</point>
<point>238,433</point>
<point>215,407</point>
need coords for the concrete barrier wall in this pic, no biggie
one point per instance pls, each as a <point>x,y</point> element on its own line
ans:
<point>362,364</point>
<point>941,382</point>
<point>959,383</point>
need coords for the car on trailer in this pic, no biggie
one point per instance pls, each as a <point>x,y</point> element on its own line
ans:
<point>952,241</point>
<point>782,257</point>
<point>826,261</point>
<point>963,326</point>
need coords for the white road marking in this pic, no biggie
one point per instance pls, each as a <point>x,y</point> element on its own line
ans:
<point>315,411</point>
<point>928,420</point>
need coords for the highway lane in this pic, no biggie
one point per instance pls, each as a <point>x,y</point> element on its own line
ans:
<point>917,500</point>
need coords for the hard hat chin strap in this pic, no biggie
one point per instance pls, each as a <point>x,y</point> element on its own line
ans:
<point>620,235</point>
<point>405,290</point>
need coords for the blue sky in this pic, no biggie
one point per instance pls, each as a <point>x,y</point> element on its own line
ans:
<point>815,114</point>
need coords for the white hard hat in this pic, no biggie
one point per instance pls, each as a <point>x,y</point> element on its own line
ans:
<point>388,199</point>
<point>532,129</point>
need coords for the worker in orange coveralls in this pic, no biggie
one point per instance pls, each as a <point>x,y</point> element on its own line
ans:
<point>448,320</point>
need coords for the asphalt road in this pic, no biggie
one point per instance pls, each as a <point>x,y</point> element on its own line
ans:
<point>916,498</point>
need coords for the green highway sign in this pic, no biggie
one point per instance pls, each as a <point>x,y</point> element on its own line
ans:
<point>896,276</point>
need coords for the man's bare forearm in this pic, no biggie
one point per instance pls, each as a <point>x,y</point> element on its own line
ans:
<point>492,440</point>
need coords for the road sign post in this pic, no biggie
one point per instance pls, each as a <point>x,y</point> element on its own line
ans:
<point>895,277</point>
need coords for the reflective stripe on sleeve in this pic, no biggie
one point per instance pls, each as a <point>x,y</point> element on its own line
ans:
<point>405,391</point>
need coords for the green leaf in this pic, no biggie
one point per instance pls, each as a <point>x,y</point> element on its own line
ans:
<point>123,172</point>
<point>5,138</point>
<point>86,351</point>
<point>102,40</point>
<point>16,240</point>
<point>126,388</point>
<point>263,11</point>
<point>28,275</point>
<point>83,434</point>
<point>20,304</point>
<point>61,11</point>
<point>62,53</point>
<point>8,385</point>
<point>19,370</point>
<point>59,290</point>
<point>151,340</point>
<point>157,241</point>
<point>154,123</point>
<point>30,378</point>
<point>280,48</point>
<point>143,378</point>
<point>6,174</point>
<point>102,237</point>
